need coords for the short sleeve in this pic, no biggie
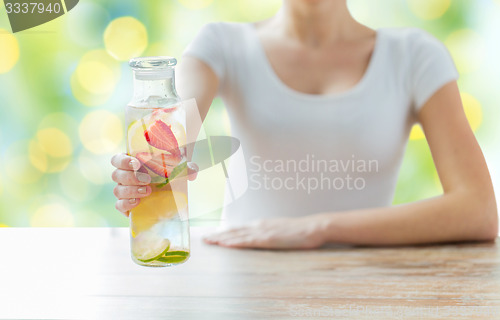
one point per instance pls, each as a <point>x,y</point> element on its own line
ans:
<point>431,68</point>
<point>208,47</point>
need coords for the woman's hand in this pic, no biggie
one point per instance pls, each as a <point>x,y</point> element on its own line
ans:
<point>283,233</point>
<point>133,181</point>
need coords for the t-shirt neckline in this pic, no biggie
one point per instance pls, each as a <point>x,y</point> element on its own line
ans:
<point>335,95</point>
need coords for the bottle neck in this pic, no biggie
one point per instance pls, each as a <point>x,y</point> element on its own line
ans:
<point>147,86</point>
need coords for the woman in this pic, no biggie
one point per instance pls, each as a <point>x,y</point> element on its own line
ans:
<point>312,84</point>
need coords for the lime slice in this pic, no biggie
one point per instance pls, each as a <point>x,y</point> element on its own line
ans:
<point>172,259</point>
<point>148,246</point>
<point>175,256</point>
<point>176,253</point>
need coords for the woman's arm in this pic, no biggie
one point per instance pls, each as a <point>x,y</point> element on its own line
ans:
<point>466,210</point>
<point>195,79</point>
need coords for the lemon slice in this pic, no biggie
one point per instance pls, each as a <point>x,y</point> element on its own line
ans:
<point>148,246</point>
<point>136,141</point>
<point>158,206</point>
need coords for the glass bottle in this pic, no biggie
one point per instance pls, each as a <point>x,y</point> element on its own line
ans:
<point>156,136</point>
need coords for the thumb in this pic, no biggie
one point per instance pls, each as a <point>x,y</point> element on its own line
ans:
<point>192,170</point>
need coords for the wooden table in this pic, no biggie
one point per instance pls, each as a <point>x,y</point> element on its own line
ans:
<point>88,274</point>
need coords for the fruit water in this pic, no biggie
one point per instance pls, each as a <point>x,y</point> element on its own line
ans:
<point>156,136</point>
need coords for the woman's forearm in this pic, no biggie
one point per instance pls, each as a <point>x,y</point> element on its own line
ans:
<point>448,218</point>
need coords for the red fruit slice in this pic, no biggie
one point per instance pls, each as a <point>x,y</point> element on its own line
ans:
<point>162,164</point>
<point>165,110</point>
<point>160,136</point>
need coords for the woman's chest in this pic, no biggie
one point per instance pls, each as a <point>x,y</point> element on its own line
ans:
<point>370,119</point>
<point>368,126</point>
<point>334,69</point>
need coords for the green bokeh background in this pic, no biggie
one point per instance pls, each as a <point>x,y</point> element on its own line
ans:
<point>36,94</point>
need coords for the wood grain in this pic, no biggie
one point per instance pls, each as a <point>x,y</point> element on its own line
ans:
<point>88,274</point>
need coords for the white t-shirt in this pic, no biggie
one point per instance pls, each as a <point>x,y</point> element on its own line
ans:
<point>307,153</point>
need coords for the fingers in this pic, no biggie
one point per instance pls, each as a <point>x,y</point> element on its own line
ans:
<point>132,181</point>
<point>227,235</point>
<point>130,178</point>
<point>131,192</point>
<point>240,242</point>
<point>235,241</point>
<point>125,162</point>
<point>125,205</point>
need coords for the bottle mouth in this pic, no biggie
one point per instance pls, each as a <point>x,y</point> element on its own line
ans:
<point>153,68</point>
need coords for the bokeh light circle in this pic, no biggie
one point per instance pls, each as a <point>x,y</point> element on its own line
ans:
<point>91,169</point>
<point>9,51</point>
<point>75,186</point>
<point>195,4</point>
<point>37,156</point>
<point>50,151</point>
<point>90,218</point>
<point>429,9</point>
<point>53,145</point>
<point>85,97</point>
<point>125,38</point>
<point>95,78</point>
<point>62,121</point>
<point>18,167</point>
<point>54,142</point>
<point>467,49</point>
<point>101,132</point>
<point>52,215</point>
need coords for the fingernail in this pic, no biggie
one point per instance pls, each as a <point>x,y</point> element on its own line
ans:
<point>193,166</point>
<point>134,164</point>
<point>132,201</point>
<point>143,178</point>
<point>142,190</point>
